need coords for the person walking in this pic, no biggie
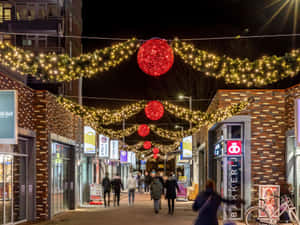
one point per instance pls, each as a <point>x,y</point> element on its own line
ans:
<point>156,189</point>
<point>171,186</point>
<point>148,180</point>
<point>106,184</point>
<point>139,181</point>
<point>116,186</point>
<point>131,189</point>
<point>207,204</point>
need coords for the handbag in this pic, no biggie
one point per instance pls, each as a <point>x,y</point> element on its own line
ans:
<point>205,204</point>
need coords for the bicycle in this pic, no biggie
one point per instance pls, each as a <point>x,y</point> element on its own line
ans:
<point>253,214</point>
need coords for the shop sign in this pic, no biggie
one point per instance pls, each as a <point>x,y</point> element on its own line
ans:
<point>8,117</point>
<point>297,121</point>
<point>133,160</point>
<point>271,203</point>
<point>234,186</point>
<point>218,151</point>
<point>234,147</point>
<point>114,150</point>
<point>89,140</point>
<point>187,147</point>
<point>123,157</point>
<point>103,146</point>
<point>129,157</point>
<point>95,192</point>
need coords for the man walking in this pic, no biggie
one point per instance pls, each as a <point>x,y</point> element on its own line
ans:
<point>106,184</point>
<point>171,186</point>
<point>116,186</point>
<point>148,180</point>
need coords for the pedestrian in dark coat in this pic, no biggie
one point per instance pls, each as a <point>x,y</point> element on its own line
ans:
<point>116,186</point>
<point>207,203</point>
<point>148,180</point>
<point>156,189</point>
<point>106,184</point>
<point>171,186</point>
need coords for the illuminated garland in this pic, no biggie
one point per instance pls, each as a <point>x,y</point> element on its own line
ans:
<point>205,120</point>
<point>102,116</point>
<point>163,148</point>
<point>263,71</point>
<point>61,67</point>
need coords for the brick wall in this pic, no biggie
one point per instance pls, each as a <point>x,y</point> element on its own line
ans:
<point>38,111</point>
<point>268,127</point>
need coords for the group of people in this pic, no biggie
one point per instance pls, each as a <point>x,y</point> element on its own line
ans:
<point>154,183</point>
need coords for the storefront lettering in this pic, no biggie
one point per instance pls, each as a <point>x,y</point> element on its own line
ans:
<point>5,115</point>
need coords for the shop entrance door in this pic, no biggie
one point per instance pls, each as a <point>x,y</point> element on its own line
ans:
<point>6,189</point>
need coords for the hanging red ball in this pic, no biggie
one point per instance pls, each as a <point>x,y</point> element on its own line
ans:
<point>143,130</point>
<point>154,110</point>
<point>147,144</point>
<point>155,150</point>
<point>155,57</point>
<point>155,156</point>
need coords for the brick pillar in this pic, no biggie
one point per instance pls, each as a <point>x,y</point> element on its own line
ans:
<point>42,143</point>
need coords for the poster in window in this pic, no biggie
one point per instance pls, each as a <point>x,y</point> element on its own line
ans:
<point>89,140</point>
<point>103,146</point>
<point>271,203</point>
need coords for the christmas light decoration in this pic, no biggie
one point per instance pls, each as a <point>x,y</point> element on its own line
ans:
<point>102,116</point>
<point>155,57</point>
<point>147,145</point>
<point>155,156</point>
<point>155,150</point>
<point>61,67</point>
<point>154,110</point>
<point>143,130</point>
<point>263,71</point>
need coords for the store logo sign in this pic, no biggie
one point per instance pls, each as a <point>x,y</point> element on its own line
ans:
<point>234,147</point>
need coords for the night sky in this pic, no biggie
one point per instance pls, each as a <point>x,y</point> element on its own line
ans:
<point>184,19</point>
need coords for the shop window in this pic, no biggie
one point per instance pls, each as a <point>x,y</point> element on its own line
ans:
<point>234,131</point>
<point>52,10</point>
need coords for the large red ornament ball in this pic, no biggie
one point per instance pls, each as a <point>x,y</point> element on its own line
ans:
<point>147,145</point>
<point>155,156</point>
<point>143,130</point>
<point>155,150</point>
<point>154,110</point>
<point>155,57</point>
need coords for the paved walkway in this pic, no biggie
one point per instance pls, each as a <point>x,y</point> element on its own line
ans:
<point>141,213</point>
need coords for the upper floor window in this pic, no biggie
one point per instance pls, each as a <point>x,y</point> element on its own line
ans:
<point>33,11</point>
<point>6,38</point>
<point>52,10</point>
<point>5,12</point>
<point>234,131</point>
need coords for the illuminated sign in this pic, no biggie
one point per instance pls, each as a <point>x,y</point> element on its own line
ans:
<point>89,140</point>
<point>103,146</point>
<point>114,149</point>
<point>187,147</point>
<point>234,147</point>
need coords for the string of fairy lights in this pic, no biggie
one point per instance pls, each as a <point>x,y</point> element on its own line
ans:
<point>61,68</point>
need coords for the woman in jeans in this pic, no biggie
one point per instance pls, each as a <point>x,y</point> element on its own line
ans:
<point>131,189</point>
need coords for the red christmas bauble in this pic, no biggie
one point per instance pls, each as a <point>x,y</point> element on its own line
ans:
<point>154,110</point>
<point>143,130</point>
<point>155,156</point>
<point>147,144</point>
<point>155,150</point>
<point>155,57</point>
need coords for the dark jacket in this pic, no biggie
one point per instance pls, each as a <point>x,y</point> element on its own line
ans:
<point>117,185</point>
<point>171,186</point>
<point>156,189</point>
<point>148,180</point>
<point>106,184</point>
<point>208,214</point>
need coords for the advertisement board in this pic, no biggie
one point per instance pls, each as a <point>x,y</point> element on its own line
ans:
<point>133,160</point>
<point>103,146</point>
<point>270,203</point>
<point>123,157</point>
<point>95,192</point>
<point>234,147</point>
<point>187,147</point>
<point>129,157</point>
<point>114,150</point>
<point>297,121</point>
<point>8,117</point>
<point>89,140</point>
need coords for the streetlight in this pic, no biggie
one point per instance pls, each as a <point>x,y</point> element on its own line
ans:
<point>182,97</point>
<point>181,127</point>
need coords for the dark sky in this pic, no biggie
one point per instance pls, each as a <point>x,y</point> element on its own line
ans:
<point>183,19</point>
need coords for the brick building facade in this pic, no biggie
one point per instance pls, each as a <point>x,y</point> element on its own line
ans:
<point>40,114</point>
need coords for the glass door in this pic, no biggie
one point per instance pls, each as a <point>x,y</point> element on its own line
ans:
<point>6,189</point>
